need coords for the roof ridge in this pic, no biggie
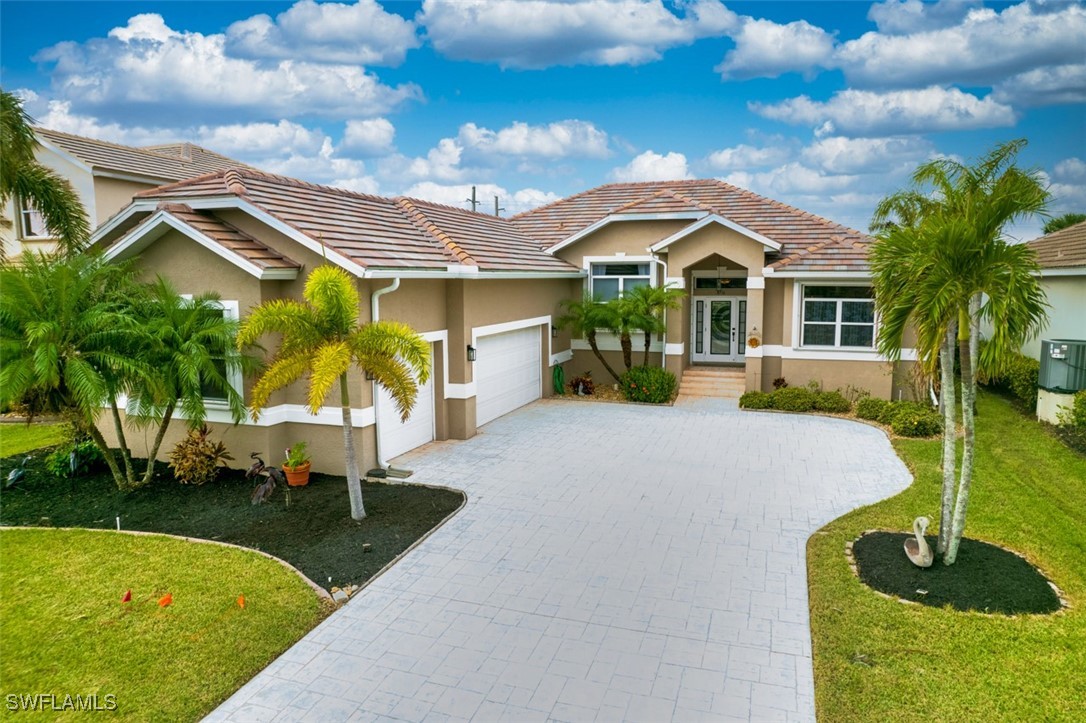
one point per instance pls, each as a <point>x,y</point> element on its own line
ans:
<point>420,220</point>
<point>166,187</point>
<point>709,208</point>
<point>137,149</point>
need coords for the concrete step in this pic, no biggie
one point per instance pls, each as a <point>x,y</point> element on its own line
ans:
<point>715,382</point>
<point>713,394</point>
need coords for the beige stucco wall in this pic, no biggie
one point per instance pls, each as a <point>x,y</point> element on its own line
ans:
<point>875,377</point>
<point>82,182</point>
<point>113,194</point>
<point>632,238</point>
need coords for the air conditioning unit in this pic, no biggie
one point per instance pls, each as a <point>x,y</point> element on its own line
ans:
<point>1063,365</point>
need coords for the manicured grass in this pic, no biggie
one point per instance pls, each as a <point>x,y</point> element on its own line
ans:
<point>315,534</point>
<point>17,438</point>
<point>879,660</point>
<point>64,629</point>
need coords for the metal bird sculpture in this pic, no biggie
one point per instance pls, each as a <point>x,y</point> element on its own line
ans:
<point>256,468</point>
<point>263,491</point>
<point>17,475</point>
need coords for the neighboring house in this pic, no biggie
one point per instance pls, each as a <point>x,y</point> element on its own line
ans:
<point>1062,258</point>
<point>483,286</point>
<point>105,176</point>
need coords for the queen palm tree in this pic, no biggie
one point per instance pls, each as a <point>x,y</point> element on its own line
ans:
<point>22,177</point>
<point>941,266</point>
<point>648,304</point>
<point>322,337</point>
<point>586,317</point>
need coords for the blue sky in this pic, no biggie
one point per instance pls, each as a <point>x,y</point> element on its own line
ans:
<point>824,105</point>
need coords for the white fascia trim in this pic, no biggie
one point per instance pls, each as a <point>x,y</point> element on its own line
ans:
<point>787,352</point>
<point>754,352</point>
<point>672,349</point>
<point>619,217</point>
<point>68,156</point>
<point>152,228</point>
<point>460,391</point>
<point>443,337</point>
<point>561,357</point>
<point>675,282</point>
<point>755,282</point>
<point>827,276</point>
<point>117,219</point>
<point>714,218</point>
<point>470,272</point>
<point>280,414</point>
<point>1080,271</point>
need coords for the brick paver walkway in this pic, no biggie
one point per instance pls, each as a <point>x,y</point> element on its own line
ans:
<point>612,563</point>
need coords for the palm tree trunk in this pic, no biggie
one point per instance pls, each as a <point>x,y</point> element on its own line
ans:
<point>152,454</point>
<point>648,343</point>
<point>126,455</point>
<point>591,339</point>
<point>107,454</point>
<point>969,397</point>
<point>627,349</point>
<point>354,482</point>
<point>950,437</point>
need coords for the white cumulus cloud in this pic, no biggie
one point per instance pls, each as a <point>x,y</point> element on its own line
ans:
<point>765,49</point>
<point>868,113</point>
<point>744,156</point>
<point>841,155</point>
<point>543,33</point>
<point>362,33</point>
<point>651,166</point>
<point>370,137</point>
<point>1057,85</point>
<point>902,17</point>
<point>554,140</point>
<point>146,71</point>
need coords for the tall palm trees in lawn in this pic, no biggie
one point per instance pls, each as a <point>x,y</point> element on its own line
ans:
<point>323,338</point>
<point>940,266</point>
<point>22,177</point>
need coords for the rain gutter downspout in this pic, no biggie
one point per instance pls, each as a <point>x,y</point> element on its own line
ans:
<point>663,349</point>
<point>375,315</point>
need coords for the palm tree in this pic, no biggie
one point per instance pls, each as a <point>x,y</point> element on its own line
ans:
<point>941,266</point>
<point>1053,225</point>
<point>189,347</point>
<point>585,317</point>
<point>66,336</point>
<point>322,337</point>
<point>648,304</point>
<point>22,177</point>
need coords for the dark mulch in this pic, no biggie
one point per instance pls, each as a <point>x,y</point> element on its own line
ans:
<point>984,578</point>
<point>315,534</point>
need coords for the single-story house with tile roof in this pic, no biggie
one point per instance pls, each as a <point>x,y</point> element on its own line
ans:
<point>771,291</point>
<point>1062,258</point>
<point>104,176</point>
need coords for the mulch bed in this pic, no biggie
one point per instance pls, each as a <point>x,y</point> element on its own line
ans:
<point>315,534</point>
<point>985,578</point>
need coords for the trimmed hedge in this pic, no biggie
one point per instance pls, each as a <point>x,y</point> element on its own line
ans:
<point>833,402</point>
<point>1020,379</point>
<point>793,399</point>
<point>912,422</point>
<point>649,384</point>
<point>871,408</point>
<point>906,419</point>
<point>756,400</point>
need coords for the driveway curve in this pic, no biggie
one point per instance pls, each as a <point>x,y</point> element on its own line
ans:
<point>613,562</point>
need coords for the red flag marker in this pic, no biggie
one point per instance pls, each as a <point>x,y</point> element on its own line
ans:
<point>127,597</point>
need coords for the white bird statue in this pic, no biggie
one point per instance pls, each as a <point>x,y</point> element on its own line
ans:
<point>918,550</point>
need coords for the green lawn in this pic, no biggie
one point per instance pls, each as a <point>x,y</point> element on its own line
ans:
<point>879,660</point>
<point>22,438</point>
<point>64,629</point>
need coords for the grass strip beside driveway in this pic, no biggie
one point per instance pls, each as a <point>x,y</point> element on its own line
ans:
<point>878,659</point>
<point>20,438</point>
<point>65,630</point>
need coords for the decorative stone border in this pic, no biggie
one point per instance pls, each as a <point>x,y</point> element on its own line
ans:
<point>1064,604</point>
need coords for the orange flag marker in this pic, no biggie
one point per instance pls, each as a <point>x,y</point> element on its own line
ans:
<point>165,600</point>
<point>241,601</point>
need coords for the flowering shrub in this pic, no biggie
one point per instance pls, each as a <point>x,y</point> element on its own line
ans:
<point>648,384</point>
<point>582,385</point>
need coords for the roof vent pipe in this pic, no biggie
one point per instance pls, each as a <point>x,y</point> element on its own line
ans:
<point>375,315</point>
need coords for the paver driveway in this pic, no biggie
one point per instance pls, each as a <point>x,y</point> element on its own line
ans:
<point>612,563</point>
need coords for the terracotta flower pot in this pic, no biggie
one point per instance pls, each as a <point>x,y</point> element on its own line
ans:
<point>297,476</point>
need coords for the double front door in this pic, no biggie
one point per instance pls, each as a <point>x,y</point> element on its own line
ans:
<point>718,330</point>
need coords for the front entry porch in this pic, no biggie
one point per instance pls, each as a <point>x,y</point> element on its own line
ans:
<point>718,329</point>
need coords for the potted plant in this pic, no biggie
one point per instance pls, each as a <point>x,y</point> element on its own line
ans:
<point>296,466</point>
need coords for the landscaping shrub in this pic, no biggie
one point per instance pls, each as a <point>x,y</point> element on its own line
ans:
<point>87,458</point>
<point>1072,427</point>
<point>916,421</point>
<point>196,460</point>
<point>793,399</point>
<point>582,385</point>
<point>648,384</point>
<point>756,400</point>
<point>833,402</point>
<point>1020,379</point>
<point>871,408</point>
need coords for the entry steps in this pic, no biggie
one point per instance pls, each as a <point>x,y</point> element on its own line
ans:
<point>720,382</point>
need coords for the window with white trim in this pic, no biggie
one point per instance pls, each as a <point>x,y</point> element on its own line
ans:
<point>838,316</point>
<point>31,222</point>
<point>611,279</point>
<point>210,392</point>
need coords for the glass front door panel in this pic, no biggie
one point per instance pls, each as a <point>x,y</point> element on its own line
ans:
<point>720,327</point>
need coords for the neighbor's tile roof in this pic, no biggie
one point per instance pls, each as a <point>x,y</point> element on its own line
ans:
<point>373,231</point>
<point>230,237</point>
<point>808,242</point>
<point>171,162</point>
<point>1065,248</point>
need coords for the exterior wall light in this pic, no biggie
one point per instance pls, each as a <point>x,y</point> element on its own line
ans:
<point>554,332</point>
<point>471,353</point>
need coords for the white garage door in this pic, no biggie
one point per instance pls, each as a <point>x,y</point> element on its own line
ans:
<point>506,373</point>
<point>398,437</point>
